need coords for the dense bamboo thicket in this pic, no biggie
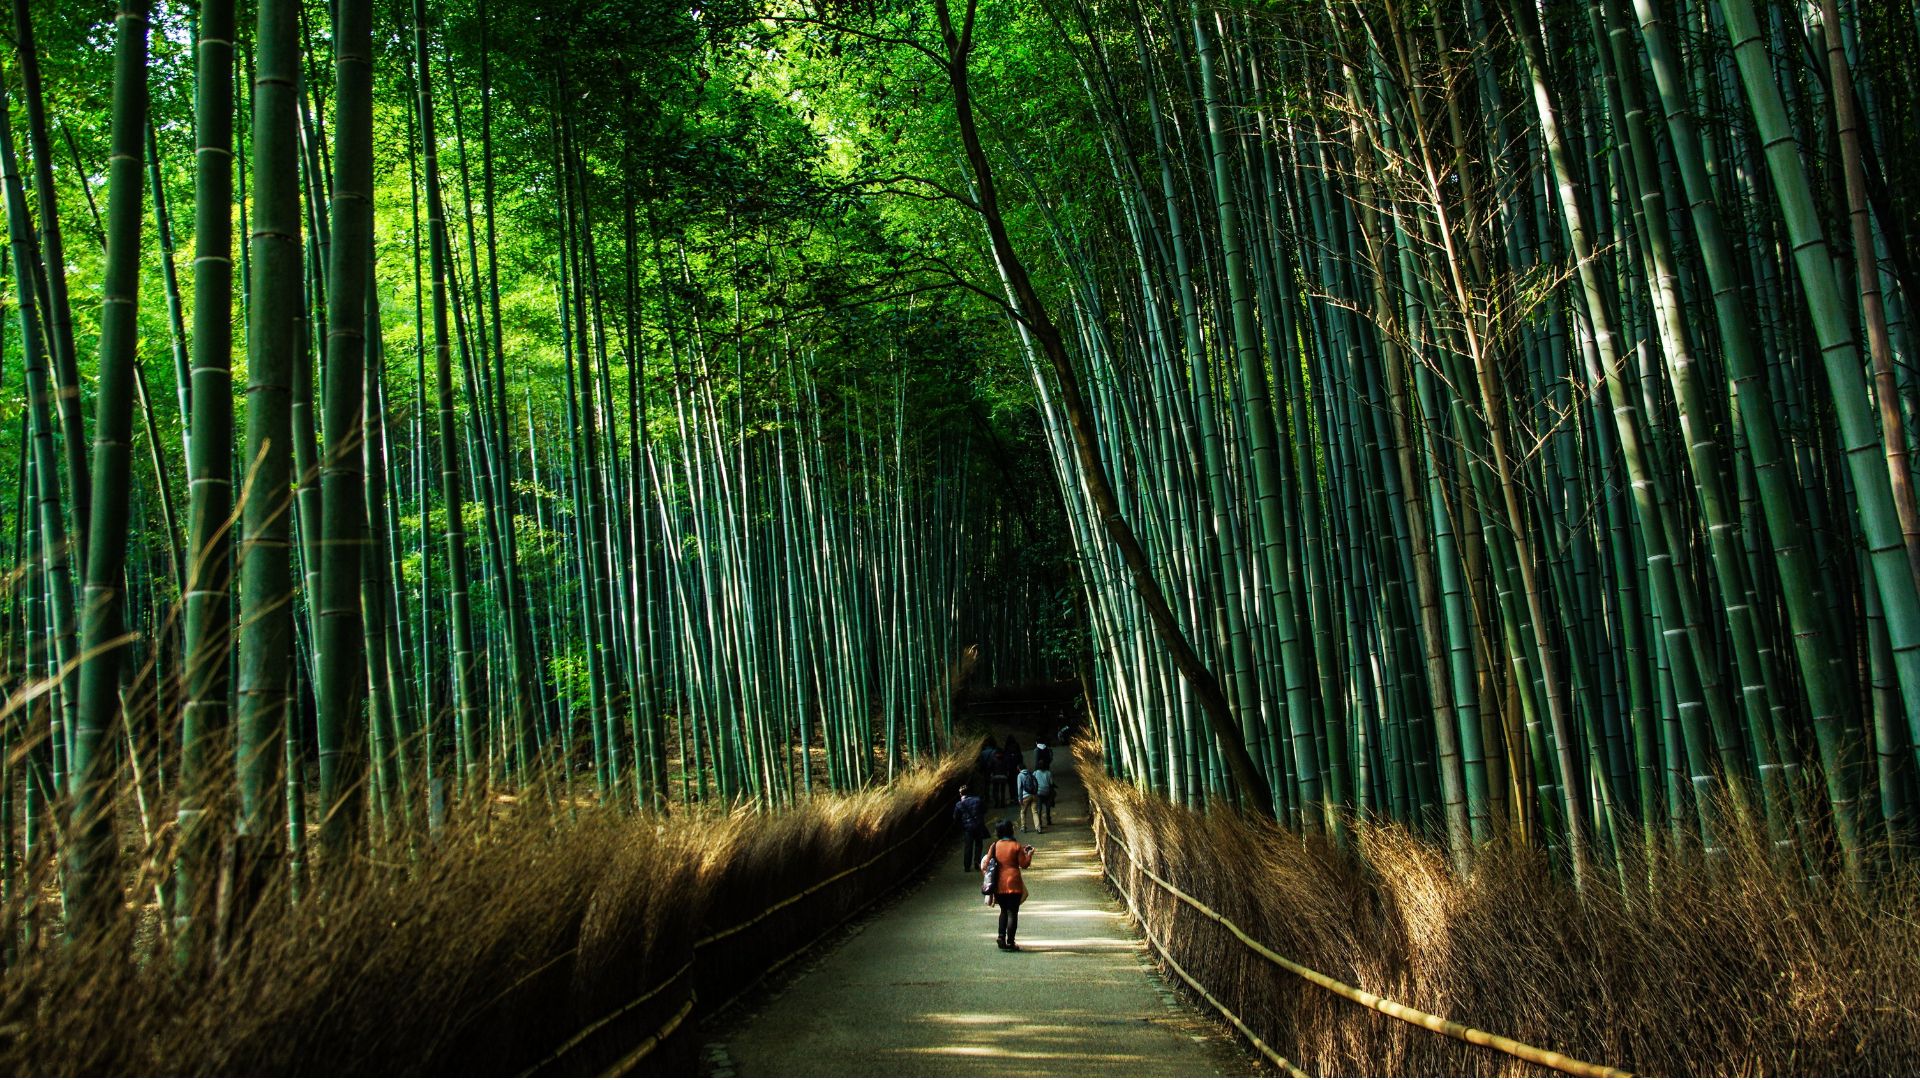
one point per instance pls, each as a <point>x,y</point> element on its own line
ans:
<point>1485,422</point>
<point>1490,417</point>
<point>461,419</point>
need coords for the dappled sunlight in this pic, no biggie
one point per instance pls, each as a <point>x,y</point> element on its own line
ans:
<point>972,1019</point>
<point>1053,909</point>
<point>1057,1045</point>
<point>1075,873</point>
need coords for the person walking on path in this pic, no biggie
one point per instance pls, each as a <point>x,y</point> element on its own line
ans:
<point>1043,783</point>
<point>999,780</point>
<point>1027,789</point>
<point>1009,890</point>
<point>971,816</point>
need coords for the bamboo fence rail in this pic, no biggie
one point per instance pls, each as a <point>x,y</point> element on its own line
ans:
<point>1106,840</point>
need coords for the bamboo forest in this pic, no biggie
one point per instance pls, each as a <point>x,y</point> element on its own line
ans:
<point>540,530</point>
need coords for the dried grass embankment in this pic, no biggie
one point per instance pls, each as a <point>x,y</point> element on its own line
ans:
<point>1750,968</point>
<point>534,944</point>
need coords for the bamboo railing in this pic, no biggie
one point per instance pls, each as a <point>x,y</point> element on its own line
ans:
<point>1106,840</point>
<point>685,974</point>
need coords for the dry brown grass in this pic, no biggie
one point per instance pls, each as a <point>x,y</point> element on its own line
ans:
<point>1739,968</point>
<point>499,945</point>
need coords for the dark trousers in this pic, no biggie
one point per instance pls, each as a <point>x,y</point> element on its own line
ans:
<point>970,852</point>
<point>1009,916</point>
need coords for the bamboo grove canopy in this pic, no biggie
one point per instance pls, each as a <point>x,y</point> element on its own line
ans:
<point>1491,416</point>
<point>464,424</point>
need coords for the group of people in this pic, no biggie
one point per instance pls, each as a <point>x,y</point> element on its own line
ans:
<point>1006,775</point>
<point>1008,781</point>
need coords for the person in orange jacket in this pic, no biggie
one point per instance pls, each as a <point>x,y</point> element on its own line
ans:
<point>1009,889</point>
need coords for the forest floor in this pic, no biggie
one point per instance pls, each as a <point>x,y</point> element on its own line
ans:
<point>920,990</point>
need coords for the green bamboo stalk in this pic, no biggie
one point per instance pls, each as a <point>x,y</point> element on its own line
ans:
<point>207,629</point>
<point>266,655</point>
<point>92,844</point>
<point>60,316</point>
<point>341,654</point>
<point>466,702</point>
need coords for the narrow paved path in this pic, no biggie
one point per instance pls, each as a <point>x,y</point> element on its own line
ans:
<point>920,990</point>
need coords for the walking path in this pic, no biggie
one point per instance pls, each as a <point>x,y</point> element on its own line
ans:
<point>920,990</point>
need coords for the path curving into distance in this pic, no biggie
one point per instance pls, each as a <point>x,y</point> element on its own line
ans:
<point>920,989</point>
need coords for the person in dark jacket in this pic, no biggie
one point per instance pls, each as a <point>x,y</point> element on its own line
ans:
<point>1010,766</point>
<point>987,762</point>
<point>971,816</point>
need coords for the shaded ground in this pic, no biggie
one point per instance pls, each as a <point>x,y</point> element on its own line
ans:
<point>920,990</point>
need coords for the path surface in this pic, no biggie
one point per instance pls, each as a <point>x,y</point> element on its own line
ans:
<point>920,990</point>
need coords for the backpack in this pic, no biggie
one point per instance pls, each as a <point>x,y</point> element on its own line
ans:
<point>1028,785</point>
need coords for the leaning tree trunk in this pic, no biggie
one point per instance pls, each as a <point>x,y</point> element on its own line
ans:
<point>1256,794</point>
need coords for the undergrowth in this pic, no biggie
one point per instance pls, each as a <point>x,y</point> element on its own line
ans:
<point>1739,966</point>
<point>520,943</point>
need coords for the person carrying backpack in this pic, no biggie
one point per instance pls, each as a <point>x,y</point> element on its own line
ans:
<point>971,816</point>
<point>1004,861</point>
<point>1027,789</point>
<point>1043,783</point>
